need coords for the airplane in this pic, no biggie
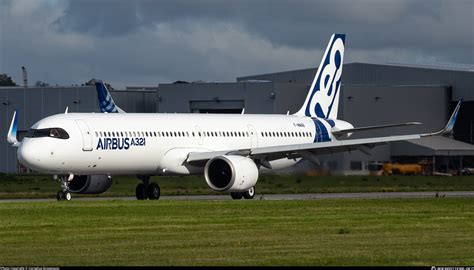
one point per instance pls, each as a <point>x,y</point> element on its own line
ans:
<point>84,150</point>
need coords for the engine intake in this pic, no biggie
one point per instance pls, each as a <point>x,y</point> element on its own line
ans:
<point>90,184</point>
<point>231,173</point>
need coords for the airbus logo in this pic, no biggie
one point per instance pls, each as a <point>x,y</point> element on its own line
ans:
<point>119,143</point>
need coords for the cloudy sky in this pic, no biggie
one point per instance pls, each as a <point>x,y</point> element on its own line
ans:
<point>144,42</point>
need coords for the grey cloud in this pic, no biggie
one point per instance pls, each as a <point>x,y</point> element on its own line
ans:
<point>148,42</point>
<point>368,23</point>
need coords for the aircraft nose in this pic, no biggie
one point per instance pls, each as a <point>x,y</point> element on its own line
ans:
<point>28,155</point>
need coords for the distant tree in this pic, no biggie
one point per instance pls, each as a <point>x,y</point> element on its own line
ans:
<point>178,82</point>
<point>92,82</point>
<point>6,80</point>
<point>41,84</point>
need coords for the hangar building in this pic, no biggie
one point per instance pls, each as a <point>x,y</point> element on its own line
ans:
<point>371,94</point>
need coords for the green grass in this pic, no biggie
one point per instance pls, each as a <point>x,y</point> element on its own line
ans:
<point>40,186</point>
<point>435,231</point>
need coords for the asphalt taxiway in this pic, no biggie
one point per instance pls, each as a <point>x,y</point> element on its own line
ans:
<point>281,197</point>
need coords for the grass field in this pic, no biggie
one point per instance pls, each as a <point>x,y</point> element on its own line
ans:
<point>40,186</point>
<point>436,231</point>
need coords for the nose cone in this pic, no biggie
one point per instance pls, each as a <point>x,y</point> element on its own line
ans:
<point>29,155</point>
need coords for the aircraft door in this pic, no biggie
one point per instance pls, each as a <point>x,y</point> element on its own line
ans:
<point>253,136</point>
<point>198,134</point>
<point>86,135</point>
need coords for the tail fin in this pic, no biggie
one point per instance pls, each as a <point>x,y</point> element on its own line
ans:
<point>323,96</point>
<point>106,103</point>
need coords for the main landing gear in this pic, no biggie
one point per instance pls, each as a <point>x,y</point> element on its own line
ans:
<point>64,194</point>
<point>147,190</point>
<point>249,194</point>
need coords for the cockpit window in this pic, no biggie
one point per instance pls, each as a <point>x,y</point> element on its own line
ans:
<point>58,133</point>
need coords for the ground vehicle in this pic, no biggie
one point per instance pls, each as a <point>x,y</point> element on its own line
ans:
<point>394,168</point>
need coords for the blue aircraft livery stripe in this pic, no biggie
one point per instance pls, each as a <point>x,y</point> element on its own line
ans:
<point>321,132</point>
<point>330,122</point>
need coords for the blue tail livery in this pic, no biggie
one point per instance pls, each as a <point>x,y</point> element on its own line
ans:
<point>106,102</point>
<point>323,96</point>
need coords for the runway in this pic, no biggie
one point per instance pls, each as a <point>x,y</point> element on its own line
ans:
<point>279,197</point>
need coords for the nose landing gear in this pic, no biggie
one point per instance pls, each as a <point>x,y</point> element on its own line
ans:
<point>64,193</point>
<point>146,190</point>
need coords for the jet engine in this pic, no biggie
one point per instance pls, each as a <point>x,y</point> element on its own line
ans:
<point>231,173</point>
<point>90,184</point>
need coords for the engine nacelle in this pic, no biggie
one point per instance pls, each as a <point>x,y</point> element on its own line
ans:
<point>90,184</point>
<point>231,173</point>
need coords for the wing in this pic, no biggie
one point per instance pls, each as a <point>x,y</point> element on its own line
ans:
<point>307,150</point>
<point>351,130</point>
<point>300,150</point>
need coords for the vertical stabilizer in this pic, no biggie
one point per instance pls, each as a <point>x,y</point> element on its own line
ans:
<point>323,96</point>
<point>106,102</point>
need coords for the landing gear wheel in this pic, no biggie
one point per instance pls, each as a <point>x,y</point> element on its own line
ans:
<point>236,195</point>
<point>153,191</point>
<point>67,196</point>
<point>140,192</point>
<point>249,194</point>
<point>59,196</point>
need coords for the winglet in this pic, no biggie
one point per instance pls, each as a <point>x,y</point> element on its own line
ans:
<point>11,137</point>
<point>106,103</point>
<point>450,125</point>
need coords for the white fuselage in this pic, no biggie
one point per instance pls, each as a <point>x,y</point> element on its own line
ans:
<point>158,144</point>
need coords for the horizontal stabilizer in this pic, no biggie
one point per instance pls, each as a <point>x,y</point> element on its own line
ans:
<point>351,130</point>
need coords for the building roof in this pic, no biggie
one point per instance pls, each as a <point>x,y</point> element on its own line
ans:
<point>432,146</point>
<point>432,66</point>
